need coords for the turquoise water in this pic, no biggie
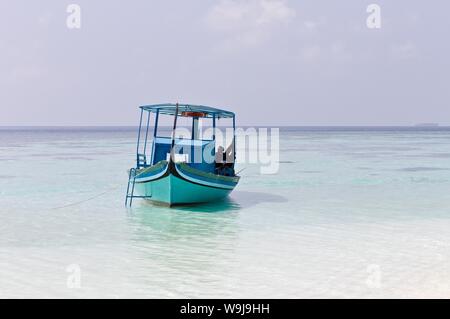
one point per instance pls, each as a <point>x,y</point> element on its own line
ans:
<point>352,213</point>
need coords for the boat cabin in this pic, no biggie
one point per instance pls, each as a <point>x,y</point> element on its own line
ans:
<point>189,149</point>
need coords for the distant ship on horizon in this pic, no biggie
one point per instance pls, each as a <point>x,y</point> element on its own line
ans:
<point>427,125</point>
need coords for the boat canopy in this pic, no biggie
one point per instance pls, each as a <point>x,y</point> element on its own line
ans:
<point>188,110</point>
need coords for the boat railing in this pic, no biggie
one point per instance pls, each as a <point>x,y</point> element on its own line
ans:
<point>141,161</point>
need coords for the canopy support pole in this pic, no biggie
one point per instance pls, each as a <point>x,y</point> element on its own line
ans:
<point>155,130</point>
<point>156,123</point>
<point>234,139</point>
<point>173,134</point>
<point>195,131</point>
<point>139,139</point>
<point>214,127</point>
<point>146,133</point>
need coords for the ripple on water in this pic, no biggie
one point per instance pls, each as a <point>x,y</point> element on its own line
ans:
<point>422,169</point>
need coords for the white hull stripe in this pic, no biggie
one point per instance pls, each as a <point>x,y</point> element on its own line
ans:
<point>150,178</point>
<point>202,182</point>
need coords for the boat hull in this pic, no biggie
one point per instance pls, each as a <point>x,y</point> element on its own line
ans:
<point>176,184</point>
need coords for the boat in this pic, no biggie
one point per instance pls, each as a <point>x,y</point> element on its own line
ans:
<point>169,172</point>
<point>427,125</point>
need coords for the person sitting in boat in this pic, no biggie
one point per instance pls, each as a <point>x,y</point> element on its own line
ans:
<point>220,156</point>
<point>225,161</point>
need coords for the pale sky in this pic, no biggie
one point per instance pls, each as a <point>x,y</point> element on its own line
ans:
<point>273,62</point>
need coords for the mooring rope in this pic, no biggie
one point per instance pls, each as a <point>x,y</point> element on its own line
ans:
<point>85,200</point>
<point>101,194</point>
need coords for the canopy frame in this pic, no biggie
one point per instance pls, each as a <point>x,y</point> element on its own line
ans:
<point>177,110</point>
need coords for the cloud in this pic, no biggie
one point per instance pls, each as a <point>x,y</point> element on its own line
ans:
<point>45,19</point>
<point>310,52</point>
<point>310,25</point>
<point>248,22</point>
<point>405,50</point>
<point>27,73</point>
<point>336,51</point>
<point>274,11</point>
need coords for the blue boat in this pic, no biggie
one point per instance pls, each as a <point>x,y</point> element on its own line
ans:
<point>174,170</point>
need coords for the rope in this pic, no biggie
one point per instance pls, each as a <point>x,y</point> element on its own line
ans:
<point>101,194</point>
<point>93,197</point>
<point>85,200</point>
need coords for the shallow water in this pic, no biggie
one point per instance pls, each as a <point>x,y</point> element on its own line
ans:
<point>352,213</point>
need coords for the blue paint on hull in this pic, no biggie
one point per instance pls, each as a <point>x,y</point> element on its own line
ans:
<point>175,184</point>
<point>172,190</point>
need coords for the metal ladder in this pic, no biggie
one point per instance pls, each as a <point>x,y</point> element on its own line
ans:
<point>130,188</point>
<point>131,180</point>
